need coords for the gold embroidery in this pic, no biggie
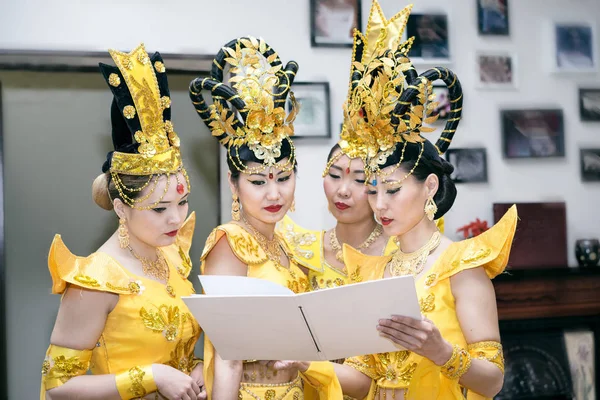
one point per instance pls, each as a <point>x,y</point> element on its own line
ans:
<point>270,394</point>
<point>247,247</point>
<point>182,357</point>
<point>134,287</point>
<point>87,280</point>
<point>355,276</point>
<point>137,377</point>
<point>63,368</point>
<point>165,102</point>
<point>476,256</point>
<point>160,67</point>
<point>430,280</point>
<point>298,240</point>
<point>427,304</point>
<point>114,80</point>
<point>165,320</point>
<point>143,58</point>
<point>489,351</point>
<point>129,112</point>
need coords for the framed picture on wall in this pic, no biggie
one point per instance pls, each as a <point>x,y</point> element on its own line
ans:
<point>575,48</point>
<point>442,97</point>
<point>314,119</point>
<point>431,42</point>
<point>470,165</point>
<point>589,104</point>
<point>590,164</point>
<point>492,17</point>
<point>496,70</point>
<point>333,21</point>
<point>533,133</point>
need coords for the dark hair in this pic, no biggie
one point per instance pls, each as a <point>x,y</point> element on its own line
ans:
<point>429,163</point>
<point>245,155</point>
<point>104,190</point>
<point>332,151</point>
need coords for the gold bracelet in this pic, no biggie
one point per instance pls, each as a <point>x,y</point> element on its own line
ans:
<point>458,364</point>
<point>136,382</point>
<point>488,351</point>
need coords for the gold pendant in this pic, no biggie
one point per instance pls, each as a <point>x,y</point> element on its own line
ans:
<point>340,256</point>
<point>170,290</point>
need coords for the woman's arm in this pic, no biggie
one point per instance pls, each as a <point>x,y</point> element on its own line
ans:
<point>478,317</point>
<point>80,322</point>
<point>228,374</point>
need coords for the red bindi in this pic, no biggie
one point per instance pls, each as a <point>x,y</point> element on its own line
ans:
<point>347,170</point>
<point>270,175</point>
<point>180,188</point>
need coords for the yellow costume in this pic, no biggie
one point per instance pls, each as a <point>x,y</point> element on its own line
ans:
<point>308,251</point>
<point>406,370</point>
<point>147,326</point>
<point>248,250</point>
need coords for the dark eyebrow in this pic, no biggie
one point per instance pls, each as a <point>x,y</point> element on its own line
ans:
<point>183,198</point>
<point>337,167</point>
<point>359,171</point>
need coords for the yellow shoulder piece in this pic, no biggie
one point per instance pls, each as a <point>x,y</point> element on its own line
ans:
<point>304,244</point>
<point>440,224</point>
<point>98,271</point>
<point>490,250</point>
<point>362,267</point>
<point>242,243</point>
<point>179,252</point>
<point>391,247</point>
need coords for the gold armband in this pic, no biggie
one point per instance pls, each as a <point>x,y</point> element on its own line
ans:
<point>488,351</point>
<point>62,364</point>
<point>136,382</point>
<point>458,364</point>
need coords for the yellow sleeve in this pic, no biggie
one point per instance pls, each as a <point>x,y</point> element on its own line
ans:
<point>241,242</point>
<point>362,267</point>
<point>489,250</point>
<point>179,252</point>
<point>304,244</point>
<point>323,383</point>
<point>62,364</point>
<point>98,271</point>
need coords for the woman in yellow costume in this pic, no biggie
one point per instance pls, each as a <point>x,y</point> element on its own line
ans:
<point>344,186</point>
<point>455,350</point>
<point>262,177</point>
<point>121,314</point>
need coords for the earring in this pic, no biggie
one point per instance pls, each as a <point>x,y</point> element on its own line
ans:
<point>123,234</point>
<point>293,206</point>
<point>235,208</point>
<point>430,208</point>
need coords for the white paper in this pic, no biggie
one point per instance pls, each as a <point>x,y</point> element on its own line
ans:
<point>257,323</point>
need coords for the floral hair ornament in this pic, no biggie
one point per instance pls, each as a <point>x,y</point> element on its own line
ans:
<point>256,108</point>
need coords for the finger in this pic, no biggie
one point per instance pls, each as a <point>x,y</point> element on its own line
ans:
<point>420,334</point>
<point>202,396</point>
<point>188,395</point>
<point>399,342</point>
<point>195,389</point>
<point>399,336</point>
<point>415,323</point>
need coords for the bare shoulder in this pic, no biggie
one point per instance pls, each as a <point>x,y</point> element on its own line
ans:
<point>81,317</point>
<point>472,282</point>
<point>222,260</point>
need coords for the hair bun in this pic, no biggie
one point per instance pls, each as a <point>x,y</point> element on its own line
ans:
<point>447,167</point>
<point>100,192</point>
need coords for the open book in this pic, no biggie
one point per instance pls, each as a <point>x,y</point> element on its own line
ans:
<point>254,319</point>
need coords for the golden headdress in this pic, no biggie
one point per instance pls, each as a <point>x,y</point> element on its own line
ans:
<point>142,132</point>
<point>259,87</point>
<point>388,103</point>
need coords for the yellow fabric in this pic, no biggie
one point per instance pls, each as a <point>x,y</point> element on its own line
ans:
<point>62,364</point>
<point>489,351</point>
<point>284,391</point>
<point>147,325</point>
<point>403,369</point>
<point>247,249</point>
<point>136,382</point>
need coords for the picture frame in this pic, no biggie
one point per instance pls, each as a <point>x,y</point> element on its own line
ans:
<point>332,22</point>
<point>496,70</point>
<point>589,104</point>
<point>470,165</point>
<point>314,118</point>
<point>533,133</point>
<point>493,17</point>
<point>442,97</point>
<point>431,43</point>
<point>590,164</point>
<point>574,46</point>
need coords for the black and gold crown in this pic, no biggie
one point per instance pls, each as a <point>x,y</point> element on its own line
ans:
<point>388,103</point>
<point>142,132</point>
<point>259,87</point>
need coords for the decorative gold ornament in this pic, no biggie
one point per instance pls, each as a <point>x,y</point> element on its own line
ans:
<point>129,112</point>
<point>337,247</point>
<point>430,208</point>
<point>413,263</point>
<point>293,206</point>
<point>235,207</point>
<point>158,269</point>
<point>165,102</point>
<point>159,67</point>
<point>114,80</point>
<point>123,234</point>
<point>272,247</point>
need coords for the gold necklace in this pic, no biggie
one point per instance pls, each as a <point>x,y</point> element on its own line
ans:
<point>271,247</point>
<point>413,263</point>
<point>158,269</point>
<point>337,247</point>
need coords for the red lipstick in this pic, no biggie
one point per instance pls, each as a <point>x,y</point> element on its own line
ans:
<point>273,209</point>
<point>386,221</point>
<point>341,206</point>
<point>172,233</point>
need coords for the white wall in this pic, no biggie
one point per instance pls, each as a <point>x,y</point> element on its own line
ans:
<point>202,26</point>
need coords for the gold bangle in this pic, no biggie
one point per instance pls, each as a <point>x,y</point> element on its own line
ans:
<point>136,382</point>
<point>458,364</point>
<point>488,351</point>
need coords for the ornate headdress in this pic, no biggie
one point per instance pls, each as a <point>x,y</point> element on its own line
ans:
<point>388,103</point>
<point>142,132</point>
<point>259,90</point>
